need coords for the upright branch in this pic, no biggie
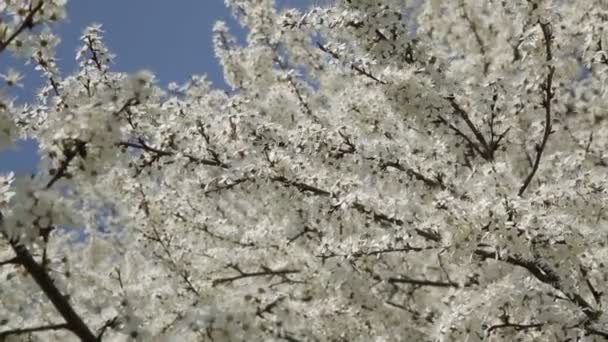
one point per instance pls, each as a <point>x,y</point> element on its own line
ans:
<point>183,273</point>
<point>547,97</point>
<point>484,148</point>
<point>478,39</point>
<point>479,144</point>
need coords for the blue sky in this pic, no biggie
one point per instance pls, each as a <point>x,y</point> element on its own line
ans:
<point>171,38</point>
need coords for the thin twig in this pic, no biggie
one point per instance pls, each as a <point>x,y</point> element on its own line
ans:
<point>243,275</point>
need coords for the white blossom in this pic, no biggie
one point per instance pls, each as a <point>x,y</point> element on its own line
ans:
<point>380,171</point>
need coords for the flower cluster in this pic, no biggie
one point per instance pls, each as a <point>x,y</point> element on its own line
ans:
<point>381,170</point>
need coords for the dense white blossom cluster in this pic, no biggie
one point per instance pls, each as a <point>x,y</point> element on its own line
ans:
<point>382,170</point>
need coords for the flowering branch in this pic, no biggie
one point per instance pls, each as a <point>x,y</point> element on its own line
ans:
<point>421,282</point>
<point>353,66</point>
<point>73,321</point>
<point>142,145</point>
<point>544,273</point>
<point>28,22</point>
<point>516,326</point>
<point>242,275</point>
<point>71,149</point>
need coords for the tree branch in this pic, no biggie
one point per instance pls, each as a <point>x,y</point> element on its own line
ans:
<point>73,321</point>
<point>21,331</point>
<point>376,253</point>
<point>383,218</point>
<point>462,135</point>
<point>353,66</point>
<point>302,187</point>
<point>71,149</point>
<point>421,282</point>
<point>518,327</point>
<point>548,96</point>
<point>474,29</point>
<point>546,275</point>
<point>142,145</point>
<point>486,154</point>
<point>242,275</point>
<point>28,22</point>
<point>11,261</point>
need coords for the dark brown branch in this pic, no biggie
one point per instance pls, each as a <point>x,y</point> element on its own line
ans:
<point>183,273</point>
<point>347,146</point>
<point>437,182</point>
<point>548,96</point>
<point>71,149</point>
<point>353,66</point>
<point>268,307</point>
<point>28,22</point>
<point>421,282</point>
<point>597,295</point>
<point>595,332</point>
<point>474,29</point>
<point>303,104</point>
<point>21,331</point>
<point>462,135</point>
<point>11,261</point>
<point>142,145</point>
<point>539,271</point>
<point>94,56</point>
<point>407,248</point>
<point>125,107</point>
<point>544,274</point>
<point>431,183</point>
<point>243,275</point>
<point>383,218</point>
<point>518,327</point>
<point>73,321</point>
<point>478,135</point>
<point>304,232</point>
<point>376,216</point>
<point>359,254</point>
<point>226,185</point>
<point>45,66</point>
<point>109,324</point>
<point>307,188</point>
<point>205,229</point>
<point>302,187</point>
